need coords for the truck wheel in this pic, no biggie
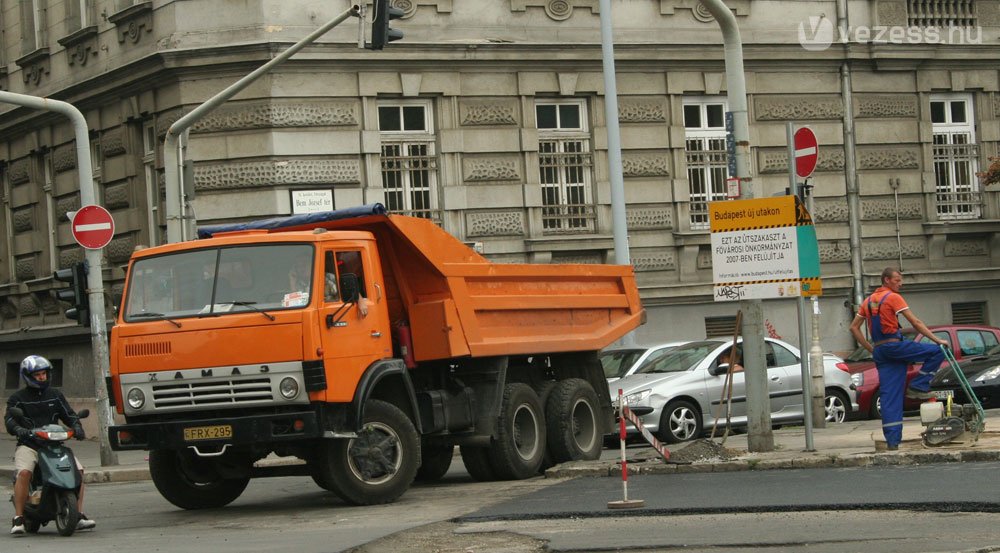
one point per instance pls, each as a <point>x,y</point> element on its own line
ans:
<point>477,462</point>
<point>190,483</point>
<point>66,513</point>
<point>571,420</point>
<point>380,463</point>
<point>435,460</point>
<point>519,448</point>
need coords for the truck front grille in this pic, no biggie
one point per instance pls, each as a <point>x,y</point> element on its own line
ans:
<point>215,393</point>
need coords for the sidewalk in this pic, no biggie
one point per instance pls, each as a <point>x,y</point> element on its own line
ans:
<point>848,444</point>
<point>853,443</point>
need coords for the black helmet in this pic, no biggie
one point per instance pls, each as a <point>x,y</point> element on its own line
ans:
<point>35,364</point>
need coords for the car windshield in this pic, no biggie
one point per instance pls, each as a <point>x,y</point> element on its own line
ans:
<point>681,359</point>
<point>617,362</point>
<point>214,281</point>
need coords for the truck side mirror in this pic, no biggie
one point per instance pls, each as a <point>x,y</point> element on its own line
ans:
<point>349,287</point>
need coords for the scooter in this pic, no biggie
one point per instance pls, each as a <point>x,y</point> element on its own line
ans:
<point>55,484</point>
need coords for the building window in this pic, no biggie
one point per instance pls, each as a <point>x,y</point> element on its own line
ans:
<point>79,15</point>
<point>941,13</point>
<point>720,326</point>
<point>409,160</point>
<point>33,26</point>
<point>564,165</point>
<point>152,183</point>
<point>955,157</point>
<point>705,151</point>
<point>969,313</point>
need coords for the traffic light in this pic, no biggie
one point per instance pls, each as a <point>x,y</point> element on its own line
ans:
<point>382,14</point>
<point>76,293</point>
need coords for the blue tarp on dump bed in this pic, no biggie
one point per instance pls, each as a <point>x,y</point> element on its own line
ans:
<point>295,220</point>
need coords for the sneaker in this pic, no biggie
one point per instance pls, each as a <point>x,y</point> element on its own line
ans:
<point>85,523</point>
<point>913,393</point>
<point>17,526</point>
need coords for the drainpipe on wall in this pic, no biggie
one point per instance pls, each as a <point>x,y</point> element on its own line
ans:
<point>850,165</point>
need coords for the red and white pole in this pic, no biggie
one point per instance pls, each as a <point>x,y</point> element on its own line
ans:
<point>625,503</point>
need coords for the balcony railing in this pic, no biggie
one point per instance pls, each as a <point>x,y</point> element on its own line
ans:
<point>568,219</point>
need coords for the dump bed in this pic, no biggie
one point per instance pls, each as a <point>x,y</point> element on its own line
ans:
<point>458,303</point>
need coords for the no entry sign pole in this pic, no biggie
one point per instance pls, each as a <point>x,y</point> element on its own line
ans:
<point>803,152</point>
<point>95,280</point>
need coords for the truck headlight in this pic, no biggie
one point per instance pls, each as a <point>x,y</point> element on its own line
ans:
<point>136,399</point>
<point>289,387</point>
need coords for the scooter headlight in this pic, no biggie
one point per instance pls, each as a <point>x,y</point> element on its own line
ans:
<point>136,399</point>
<point>289,387</point>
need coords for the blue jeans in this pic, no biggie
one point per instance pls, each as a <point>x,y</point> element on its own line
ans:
<point>891,360</point>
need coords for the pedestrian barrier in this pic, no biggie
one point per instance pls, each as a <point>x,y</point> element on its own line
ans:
<point>657,445</point>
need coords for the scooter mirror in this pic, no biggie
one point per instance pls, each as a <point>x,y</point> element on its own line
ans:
<point>84,413</point>
<point>16,412</point>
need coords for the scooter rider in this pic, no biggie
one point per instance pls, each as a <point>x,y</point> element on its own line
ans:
<point>41,404</point>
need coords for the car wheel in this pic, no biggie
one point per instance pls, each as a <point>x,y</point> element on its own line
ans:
<point>875,412</point>
<point>836,406</point>
<point>680,422</point>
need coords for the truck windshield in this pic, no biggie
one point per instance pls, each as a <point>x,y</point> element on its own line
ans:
<point>216,281</point>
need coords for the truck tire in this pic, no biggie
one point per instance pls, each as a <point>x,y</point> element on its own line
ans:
<point>435,460</point>
<point>571,420</point>
<point>379,464</point>
<point>477,462</point>
<point>519,448</point>
<point>192,484</point>
<point>67,514</point>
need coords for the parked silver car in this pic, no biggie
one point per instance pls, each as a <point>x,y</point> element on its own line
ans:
<point>621,361</point>
<point>678,395</point>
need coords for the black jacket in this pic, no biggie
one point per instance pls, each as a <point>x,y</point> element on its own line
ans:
<point>40,408</point>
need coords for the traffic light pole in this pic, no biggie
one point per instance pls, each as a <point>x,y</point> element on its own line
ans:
<point>95,277</point>
<point>180,225</point>
<point>759,434</point>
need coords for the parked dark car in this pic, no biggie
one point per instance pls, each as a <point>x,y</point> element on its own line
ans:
<point>966,341</point>
<point>983,374</point>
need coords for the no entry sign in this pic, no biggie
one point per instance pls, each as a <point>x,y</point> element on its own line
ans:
<point>806,152</point>
<point>93,227</point>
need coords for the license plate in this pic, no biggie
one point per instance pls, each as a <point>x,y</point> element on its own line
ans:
<point>943,394</point>
<point>218,432</point>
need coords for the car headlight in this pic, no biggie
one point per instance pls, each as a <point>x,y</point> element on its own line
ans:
<point>136,399</point>
<point>636,398</point>
<point>858,379</point>
<point>289,387</point>
<point>991,374</point>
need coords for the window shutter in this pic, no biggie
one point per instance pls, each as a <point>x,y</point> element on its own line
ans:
<point>720,326</point>
<point>970,313</point>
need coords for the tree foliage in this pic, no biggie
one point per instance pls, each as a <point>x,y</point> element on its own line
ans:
<point>992,174</point>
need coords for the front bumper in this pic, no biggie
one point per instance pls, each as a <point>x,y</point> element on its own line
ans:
<point>256,429</point>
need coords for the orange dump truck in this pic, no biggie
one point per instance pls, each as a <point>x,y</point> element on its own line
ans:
<point>368,345</point>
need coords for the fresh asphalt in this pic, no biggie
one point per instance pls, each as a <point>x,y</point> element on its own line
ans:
<point>971,487</point>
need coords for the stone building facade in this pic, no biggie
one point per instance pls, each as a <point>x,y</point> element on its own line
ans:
<point>489,117</point>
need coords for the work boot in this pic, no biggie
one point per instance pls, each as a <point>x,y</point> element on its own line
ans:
<point>892,447</point>
<point>17,526</point>
<point>85,523</point>
<point>913,393</point>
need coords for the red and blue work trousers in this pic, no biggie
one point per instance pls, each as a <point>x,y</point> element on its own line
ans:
<point>891,360</point>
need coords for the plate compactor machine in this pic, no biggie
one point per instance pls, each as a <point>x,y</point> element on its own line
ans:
<point>947,422</point>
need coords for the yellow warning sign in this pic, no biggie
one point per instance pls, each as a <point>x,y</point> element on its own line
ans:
<point>753,214</point>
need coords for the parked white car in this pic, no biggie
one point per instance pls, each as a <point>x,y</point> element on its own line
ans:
<point>621,361</point>
<point>678,395</point>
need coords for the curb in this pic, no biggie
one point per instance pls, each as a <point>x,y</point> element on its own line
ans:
<point>654,466</point>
